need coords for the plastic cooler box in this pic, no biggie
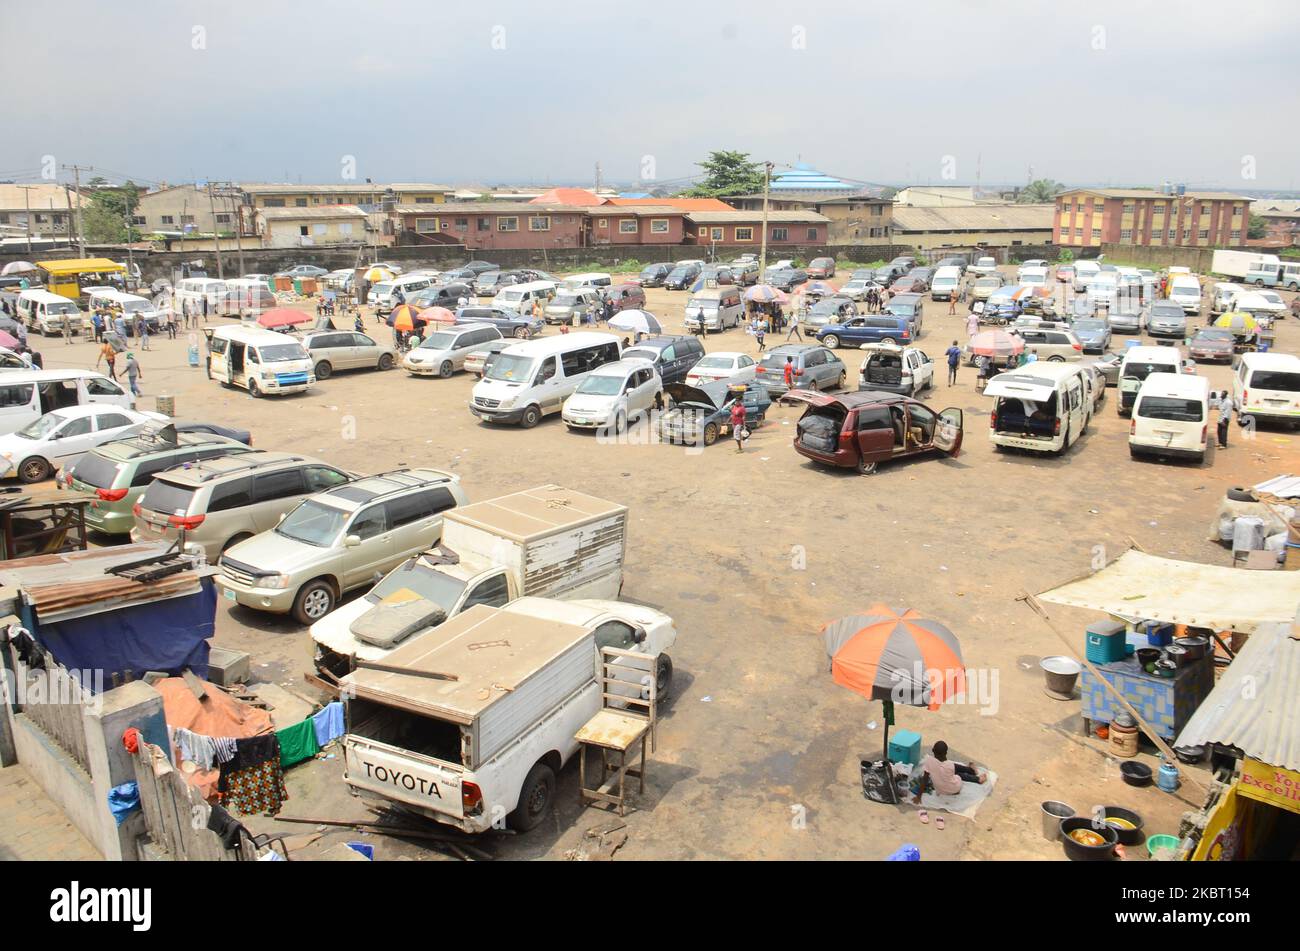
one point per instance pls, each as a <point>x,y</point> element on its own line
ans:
<point>1106,641</point>
<point>905,747</point>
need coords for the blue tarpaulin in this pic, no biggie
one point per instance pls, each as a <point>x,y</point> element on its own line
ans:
<point>168,635</point>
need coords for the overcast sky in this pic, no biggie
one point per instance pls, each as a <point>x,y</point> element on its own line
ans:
<point>1129,92</point>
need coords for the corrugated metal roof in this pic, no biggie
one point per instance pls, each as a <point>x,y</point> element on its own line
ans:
<point>1252,707</point>
<point>1151,193</point>
<point>472,208</point>
<point>43,199</point>
<point>359,188</point>
<point>974,218</point>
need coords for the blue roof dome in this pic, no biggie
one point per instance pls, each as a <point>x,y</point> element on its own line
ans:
<point>803,177</point>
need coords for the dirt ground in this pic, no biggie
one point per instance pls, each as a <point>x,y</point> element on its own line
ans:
<point>758,750</point>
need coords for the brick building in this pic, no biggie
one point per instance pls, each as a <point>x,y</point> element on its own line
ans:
<point>1090,217</point>
<point>745,228</point>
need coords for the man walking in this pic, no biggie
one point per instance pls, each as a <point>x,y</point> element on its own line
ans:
<point>794,329</point>
<point>109,355</point>
<point>133,374</point>
<point>952,304</point>
<point>760,333</point>
<point>972,324</point>
<point>954,358</point>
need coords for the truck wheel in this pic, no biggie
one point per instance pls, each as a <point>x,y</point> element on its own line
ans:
<point>663,677</point>
<point>536,797</point>
<point>532,416</point>
<point>315,600</point>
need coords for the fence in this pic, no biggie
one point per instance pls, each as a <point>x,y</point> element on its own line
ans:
<point>60,706</point>
<point>176,816</point>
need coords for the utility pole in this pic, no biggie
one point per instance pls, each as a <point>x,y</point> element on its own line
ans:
<point>597,178</point>
<point>762,252</point>
<point>228,190</point>
<point>81,230</point>
<point>216,238</point>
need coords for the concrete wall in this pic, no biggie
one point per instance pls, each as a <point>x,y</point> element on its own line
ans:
<point>1155,258</point>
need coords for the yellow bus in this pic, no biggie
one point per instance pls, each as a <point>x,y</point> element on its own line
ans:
<point>65,277</point>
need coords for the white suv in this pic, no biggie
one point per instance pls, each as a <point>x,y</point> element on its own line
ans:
<point>337,540</point>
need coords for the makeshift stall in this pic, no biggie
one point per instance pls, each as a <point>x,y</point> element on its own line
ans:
<point>1166,703</point>
<point>1250,715</point>
<point>99,610</point>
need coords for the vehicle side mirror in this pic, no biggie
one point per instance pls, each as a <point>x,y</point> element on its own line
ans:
<point>638,636</point>
<point>352,541</point>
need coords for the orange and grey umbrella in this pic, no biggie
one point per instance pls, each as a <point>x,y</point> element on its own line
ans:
<point>905,657</point>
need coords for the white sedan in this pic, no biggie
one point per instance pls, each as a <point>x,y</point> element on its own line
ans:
<point>63,436</point>
<point>1276,306</point>
<point>857,289</point>
<point>727,366</point>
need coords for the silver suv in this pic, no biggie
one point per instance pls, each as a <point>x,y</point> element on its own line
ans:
<point>344,538</point>
<point>443,352</point>
<point>220,502</point>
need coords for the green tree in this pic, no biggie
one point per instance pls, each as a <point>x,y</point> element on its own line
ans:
<point>728,173</point>
<point>1257,227</point>
<point>106,214</point>
<point>1039,191</point>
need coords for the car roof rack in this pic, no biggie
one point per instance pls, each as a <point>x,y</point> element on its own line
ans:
<point>246,467</point>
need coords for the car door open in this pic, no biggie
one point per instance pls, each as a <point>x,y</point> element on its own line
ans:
<point>948,432</point>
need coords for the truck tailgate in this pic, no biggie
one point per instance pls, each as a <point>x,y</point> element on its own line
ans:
<point>402,776</point>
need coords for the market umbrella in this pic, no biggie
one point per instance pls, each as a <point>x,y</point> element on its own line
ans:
<point>818,289</point>
<point>1237,321</point>
<point>636,321</point>
<point>377,274</point>
<point>9,340</point>
<point>765,294</point>
<point>905,658</point>
<point>437,315</point>
<point>283,317</point>
<point>405,317</point>
<point>17,267</point>
<point>996,343</point>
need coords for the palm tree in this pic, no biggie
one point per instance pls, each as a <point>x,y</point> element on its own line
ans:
<point>1038,192</point>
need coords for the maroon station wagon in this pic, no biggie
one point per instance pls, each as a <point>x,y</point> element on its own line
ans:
<point>863,429</point>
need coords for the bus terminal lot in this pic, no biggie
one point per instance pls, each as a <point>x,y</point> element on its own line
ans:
<point>751,553</point>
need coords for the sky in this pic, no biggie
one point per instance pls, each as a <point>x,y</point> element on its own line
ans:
<point>929,92</point>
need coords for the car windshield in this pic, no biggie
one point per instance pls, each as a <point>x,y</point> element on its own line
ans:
<point>703,302</point>
<point>775,360</point>
<point>313,523</point>
<point>131,306</point>
<point>383,287</point>
<point>282,352</point>
<point>95,471</point>
<point>1171,408</point>
<point>901,309</point>
<point>567,300</point>
<point>61,308</point>
<point>510,294</point>
<point>1090,325</point>
<point>679,272</point>
<point>988,282</point>
<point>40,428</point>
<point>944,281</point>
<point>1275,380</point>
<point>1215,334</point>
<point>438,341</point>
<point>511,367</point>
<point>650,271</point>
<point>413,575</point>
<point>708,363</point>
<point>601,385</point>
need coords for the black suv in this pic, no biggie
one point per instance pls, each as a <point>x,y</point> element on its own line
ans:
<point>673,357</point>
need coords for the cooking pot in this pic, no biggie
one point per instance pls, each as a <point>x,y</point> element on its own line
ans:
<point>1178,655</point>
<point>1196,646</point>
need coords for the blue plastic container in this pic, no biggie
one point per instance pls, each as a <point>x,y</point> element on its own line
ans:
<point>905,747</point>
<point>1159,633</point>
<point>1106,641</point>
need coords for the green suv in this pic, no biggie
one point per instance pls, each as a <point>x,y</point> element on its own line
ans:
<point>118,472</point>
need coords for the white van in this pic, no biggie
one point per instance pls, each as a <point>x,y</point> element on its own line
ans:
<point>591,279</point>
<point>529,380</point>
<point>1171,417</point>
<point>194,292</point>
<point>1185,289</point>
<point>261,361</point>
<point>945,283</point>
<point>1265,385</point>
<point>27,395</point>
<point>519,298</point>
<point>128,305</point>
<point>47,313</point>
<point>1084,272</point>
<point>1040,406</point>
<point>1138,364</point>
<point>1221,301</point>
<point>383,294</point>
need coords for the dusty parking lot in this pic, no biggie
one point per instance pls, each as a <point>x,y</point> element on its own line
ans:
<point>751,554</point>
